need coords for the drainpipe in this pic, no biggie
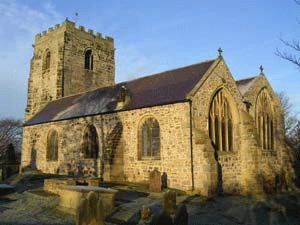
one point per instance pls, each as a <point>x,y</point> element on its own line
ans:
<point>191,142</point>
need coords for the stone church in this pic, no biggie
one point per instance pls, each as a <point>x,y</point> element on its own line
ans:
<point>204,130</point>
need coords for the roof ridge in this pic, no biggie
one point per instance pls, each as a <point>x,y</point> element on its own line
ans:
<point>83,92</point>
<point>245,78</point>
<point>178,68</point>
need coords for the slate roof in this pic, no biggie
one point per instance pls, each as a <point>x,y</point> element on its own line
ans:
<point>245,84</point>
<point>159,89</point>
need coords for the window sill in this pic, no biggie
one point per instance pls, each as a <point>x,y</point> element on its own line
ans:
<point>149,159</point>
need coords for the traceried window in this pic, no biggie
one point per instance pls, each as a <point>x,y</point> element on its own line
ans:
<point>90,146</point>
<point>220,123</point>
<point>88,60</point>
<point>47,61</point>
<point>149,139</point>
<point>264,121</point>
<point>52,146</point>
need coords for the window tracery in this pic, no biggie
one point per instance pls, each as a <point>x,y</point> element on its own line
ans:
<point>220,123</point>
<point>264,121</point>
<point>90,147</point>
<point>52,146</point>
<point>149,139</point>
<point>47,61</point>
<point>88,60</point>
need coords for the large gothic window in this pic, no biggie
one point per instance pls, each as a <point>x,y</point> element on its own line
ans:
<point>264,121</point>
<point>52,146</point>
<point>90,145</point>
<point>47,60</point>
<point>88,60</point>
<point>149,139</point>
<point>220,123</point>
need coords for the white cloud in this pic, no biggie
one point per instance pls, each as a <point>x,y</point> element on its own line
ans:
<point>26,18</point>
<point>131,64</point>
<point>18,25</point>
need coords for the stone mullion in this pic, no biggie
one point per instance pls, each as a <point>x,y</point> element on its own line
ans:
<point>261,130</point>
<point>220,122</point>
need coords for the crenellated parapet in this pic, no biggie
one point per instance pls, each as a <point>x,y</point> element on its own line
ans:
<point>70,26</point>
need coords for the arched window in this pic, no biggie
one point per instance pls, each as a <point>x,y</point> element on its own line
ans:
<point>52,146</point>
<point>220,123</point>
<point>88,60</point>
<point>149,140</point>
<point>47,60</point>
<point>90,146</point>
<point>264,121</point>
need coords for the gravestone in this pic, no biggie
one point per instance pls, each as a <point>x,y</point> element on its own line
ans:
<point>145,213</point>
<point>80,213</point>
<point>169,202</point>
<point>155,181</point>
<point>181,216</point>
<point>164,180</point>
<point>90,210</point>
<point>161,218</point>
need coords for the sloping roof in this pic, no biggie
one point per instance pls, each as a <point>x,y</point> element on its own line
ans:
<point>159,89</point>
<point>245,84</point>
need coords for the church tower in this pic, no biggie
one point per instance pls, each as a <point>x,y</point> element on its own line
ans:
<point>67,61</point>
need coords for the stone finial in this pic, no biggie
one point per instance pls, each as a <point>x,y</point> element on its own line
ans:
<point>90,31</point>
<point>44,33</point>
<point>220,52</point>
<point>37,36</point>
<point>50,29</point>
<point>81,28</point>
<point>57,26</point>
<point>98,35</point>
<point>261,69</point>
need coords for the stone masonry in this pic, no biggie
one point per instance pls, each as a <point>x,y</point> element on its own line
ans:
<point>187,155</point>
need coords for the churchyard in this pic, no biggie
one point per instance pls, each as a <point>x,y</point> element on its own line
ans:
<point>37,200</point>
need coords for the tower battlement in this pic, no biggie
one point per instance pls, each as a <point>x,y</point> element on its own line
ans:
<point>68,25</point>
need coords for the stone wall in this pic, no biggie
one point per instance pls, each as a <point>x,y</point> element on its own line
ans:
<point>225,166</point>
<point>121,162</point>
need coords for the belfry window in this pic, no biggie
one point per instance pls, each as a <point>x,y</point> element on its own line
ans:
<point>149,139</point>
<point>47,60</point>
<point>264,121</point>
<point>52,146</point>
<point>88,60</point>
<point>90,146</point>
<point>220,123</point>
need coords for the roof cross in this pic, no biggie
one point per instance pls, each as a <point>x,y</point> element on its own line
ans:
<point>220,52</point>
<point>261,69</point>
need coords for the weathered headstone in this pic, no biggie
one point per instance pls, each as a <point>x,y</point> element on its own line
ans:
<point>90,210</point>
<point>80,214</point>
<point>161,218</point>
<point>164,180</point>
<point>145,213</point>
<point>155,181</point>
<point>169,202</point>
<point>181,216</point>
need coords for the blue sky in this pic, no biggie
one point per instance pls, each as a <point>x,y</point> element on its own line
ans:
<point>153,36</point>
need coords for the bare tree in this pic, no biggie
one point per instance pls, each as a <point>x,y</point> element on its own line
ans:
<point>294,45</point>
<point>290,119</point>
<point>10,131</point>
